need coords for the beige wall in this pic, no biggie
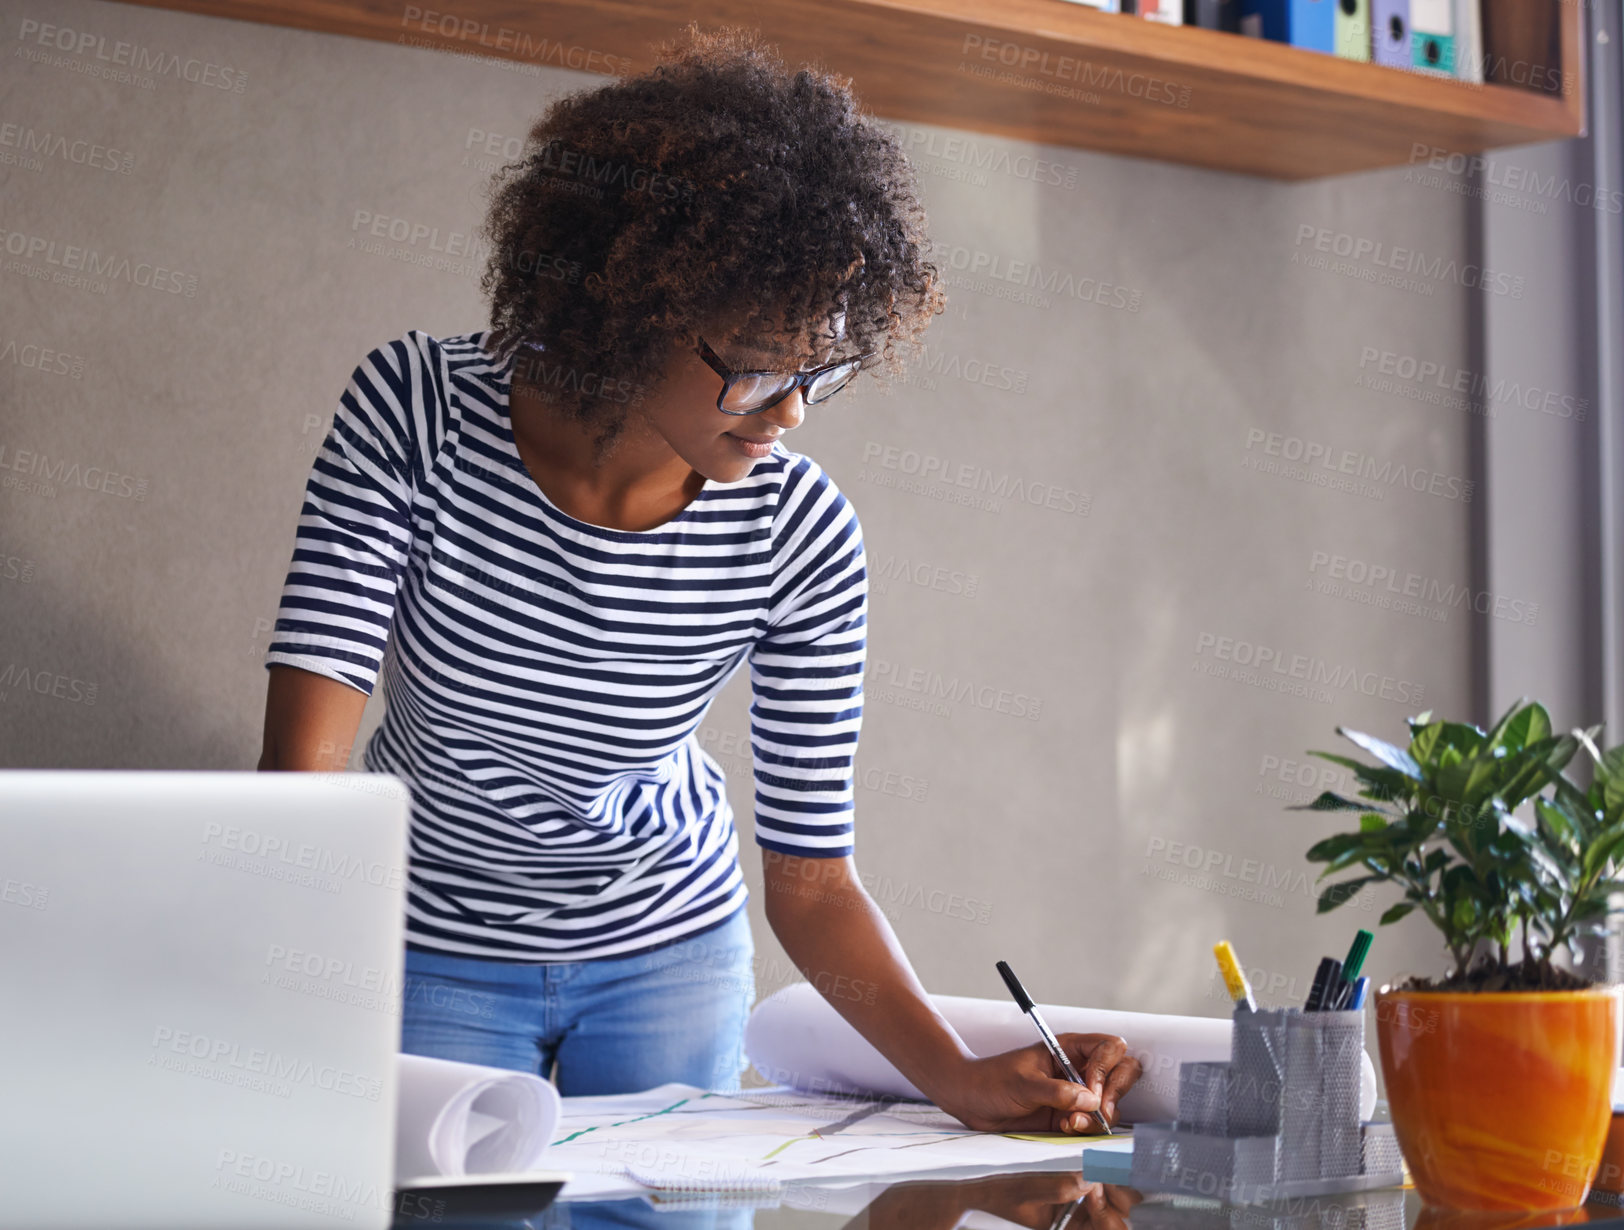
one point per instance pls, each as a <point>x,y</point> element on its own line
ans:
<point>1087,751</point>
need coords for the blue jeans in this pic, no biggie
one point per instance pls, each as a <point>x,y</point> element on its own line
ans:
<point>615,1025</point>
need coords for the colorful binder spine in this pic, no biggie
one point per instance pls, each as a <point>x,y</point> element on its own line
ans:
<point>1390,32</point>
<point>1353,29</point>
<point>1302,23</point>
<point>1432,36</point>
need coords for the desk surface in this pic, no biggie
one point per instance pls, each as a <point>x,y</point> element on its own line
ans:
<point>1041,1200</point>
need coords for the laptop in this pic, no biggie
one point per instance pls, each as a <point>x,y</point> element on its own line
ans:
<point>200,1011</point>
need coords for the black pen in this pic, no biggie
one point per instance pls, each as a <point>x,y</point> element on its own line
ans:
<point>1024,1002</point>
<point>1326,980</point>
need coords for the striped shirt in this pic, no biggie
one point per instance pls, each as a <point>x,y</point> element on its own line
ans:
<point>545,678</point>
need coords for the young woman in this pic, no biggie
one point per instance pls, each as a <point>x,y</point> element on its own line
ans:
<point>576,526</point>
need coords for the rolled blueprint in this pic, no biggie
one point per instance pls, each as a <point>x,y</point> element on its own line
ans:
<point>464,1119</point>
<point>796,1038</point>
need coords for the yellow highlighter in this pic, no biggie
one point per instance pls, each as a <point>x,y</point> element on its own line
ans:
<point>1234,976</point>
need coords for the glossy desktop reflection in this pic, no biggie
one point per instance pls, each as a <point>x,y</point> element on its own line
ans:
<point>1039,1200</point>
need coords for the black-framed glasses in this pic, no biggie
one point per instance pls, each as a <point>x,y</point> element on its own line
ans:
<point>753,392</point>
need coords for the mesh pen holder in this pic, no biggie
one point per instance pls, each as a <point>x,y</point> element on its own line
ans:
<point>1281,1118</point>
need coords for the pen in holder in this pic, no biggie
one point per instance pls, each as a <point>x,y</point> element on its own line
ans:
<point>1280,1119</point>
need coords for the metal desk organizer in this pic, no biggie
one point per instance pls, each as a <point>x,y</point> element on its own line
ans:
<point>1280,1119</point>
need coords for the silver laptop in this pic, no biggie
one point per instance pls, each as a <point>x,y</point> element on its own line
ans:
<point>200,983</point>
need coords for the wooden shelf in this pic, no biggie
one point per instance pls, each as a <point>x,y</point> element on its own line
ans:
<point>1077,77</point>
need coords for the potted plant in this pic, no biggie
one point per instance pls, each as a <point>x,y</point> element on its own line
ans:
<point>1499,1075</point>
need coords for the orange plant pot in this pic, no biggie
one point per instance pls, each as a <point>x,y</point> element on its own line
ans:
<point>1500,1100</point>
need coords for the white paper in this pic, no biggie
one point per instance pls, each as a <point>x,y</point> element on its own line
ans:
<point>678,1138</point>
<point>466,1119</point>
<point>796,1038</point>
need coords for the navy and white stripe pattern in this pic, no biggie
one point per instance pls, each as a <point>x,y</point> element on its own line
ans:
<point>545,678</point>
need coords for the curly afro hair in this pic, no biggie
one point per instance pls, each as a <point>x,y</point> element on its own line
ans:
<point>717,186</point>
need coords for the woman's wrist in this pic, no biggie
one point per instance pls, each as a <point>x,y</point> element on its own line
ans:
<point>944,1080</point>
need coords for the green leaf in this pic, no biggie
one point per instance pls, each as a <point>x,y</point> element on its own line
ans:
<point>1470,823</point>
<point>1541,865</point>
<point>1395,912</point>
<point>1329,801</point>
<point>1370,854</point>
<point>1449,777</point>
<point>1505,718</point>
<point>1560,828</point>
<point>1340,893</point>
<point>1612,798</point>
<point>1539,765</point>
<point>1384,785</point>
<point>1610,777</point>
<point>1330,847</point>
<point>1461,877</point>
<point>1482,778</point>
<point>1371,822</point>
<point>1419,824</point>
<point>1584,808</point>
<point>1425,742</point>
<point>1603,851</point>
<point>1521,726</point>
<point>1463,739</point>
<point>1393,757</point>
<point>1610,764</point>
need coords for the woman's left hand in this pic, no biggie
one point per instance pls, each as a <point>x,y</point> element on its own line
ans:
<point>1018,1091</point>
